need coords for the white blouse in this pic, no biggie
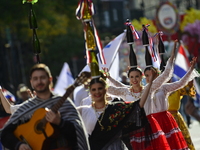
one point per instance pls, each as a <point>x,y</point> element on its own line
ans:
<point>121,90</point>
<point>89,116</point>
<point>124,93</point>
<point>160,97</point>
<point>88,100</point>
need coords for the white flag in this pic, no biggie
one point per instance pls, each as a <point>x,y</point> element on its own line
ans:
<point>64,80</point>
<point>111,55</point>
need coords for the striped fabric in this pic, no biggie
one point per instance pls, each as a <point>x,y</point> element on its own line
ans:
<point>67,111</point>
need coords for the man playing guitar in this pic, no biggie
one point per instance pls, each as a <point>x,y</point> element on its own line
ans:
<point>46,121</point>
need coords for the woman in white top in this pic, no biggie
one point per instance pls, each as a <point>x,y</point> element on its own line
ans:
<point>8,106</point>
<point>127,94</point>
<point>158,106</point>
<point>104,120</point>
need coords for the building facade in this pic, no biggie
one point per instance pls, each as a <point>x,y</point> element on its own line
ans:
<point>112,14</point>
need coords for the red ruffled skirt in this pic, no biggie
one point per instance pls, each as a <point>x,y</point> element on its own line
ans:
<point>172,132</point>
<point>158,140</point>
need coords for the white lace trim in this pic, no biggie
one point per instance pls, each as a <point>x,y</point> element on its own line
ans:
<point>142,139</point>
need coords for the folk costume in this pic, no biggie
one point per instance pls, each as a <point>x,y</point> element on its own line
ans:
<point>159,140</point>
<point>156,107</point>
<point>88,100</point>
<point>105,128</point>
<point>123,91</point>
<point>71,129</point>
<point>174,100</point>
<point>165,119</point>
<point>117,88</point>
<point>173,103</point>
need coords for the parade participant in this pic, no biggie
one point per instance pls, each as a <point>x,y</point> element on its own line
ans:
<point>174,100</point>
<point>4,115</point>
<point>22,93</point>
<point>126,92</point>
<point>158,106</point>
<point>5,102</point>
<point>104,120</point>
<point>88,100</point>
<point>66,120</point>
<point>158,134</point>
<point>159,141</point>
<point>10,107</point>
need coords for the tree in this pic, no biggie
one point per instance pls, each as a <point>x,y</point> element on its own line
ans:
<point>59,32</point>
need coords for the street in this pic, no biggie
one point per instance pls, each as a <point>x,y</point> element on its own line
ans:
<point>195,133</point>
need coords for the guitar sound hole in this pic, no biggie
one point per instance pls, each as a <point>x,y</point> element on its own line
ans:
<point>39,127</point>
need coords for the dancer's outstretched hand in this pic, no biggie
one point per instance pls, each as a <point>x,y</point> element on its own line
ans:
<point>173,51</point>
<point>106,72</point>
<point>152,75</point>
<point>193,62</point>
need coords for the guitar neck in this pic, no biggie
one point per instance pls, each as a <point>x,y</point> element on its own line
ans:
<point>56,106</point>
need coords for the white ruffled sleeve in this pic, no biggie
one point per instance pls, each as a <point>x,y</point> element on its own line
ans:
<point>190,75</point>
<point>117,91</point>
<point>116,83</point>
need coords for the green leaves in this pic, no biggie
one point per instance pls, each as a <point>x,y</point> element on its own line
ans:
<point>29,1</point>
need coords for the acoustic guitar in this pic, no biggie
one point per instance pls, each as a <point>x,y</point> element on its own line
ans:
<point>38,130</point>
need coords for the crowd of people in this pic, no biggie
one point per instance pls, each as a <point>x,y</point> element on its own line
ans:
<point>116,116</point>
<point>103,113</point>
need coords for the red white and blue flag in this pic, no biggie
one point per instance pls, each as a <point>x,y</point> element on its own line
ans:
<point>181,67</point>
<point>9,95</point>
<point>182,62</point>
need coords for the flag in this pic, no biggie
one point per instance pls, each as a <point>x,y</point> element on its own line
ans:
<point>111,55</point>
<point>9,95</point>
<point>181,67</point>
<point>64,80</point>
<point>181,63</point>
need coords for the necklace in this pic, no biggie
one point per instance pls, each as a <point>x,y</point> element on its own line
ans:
<point>99,119</point>
<point>99,107</point>
<point>134,93</point>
